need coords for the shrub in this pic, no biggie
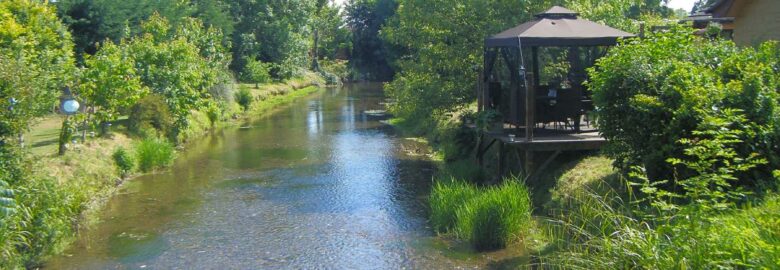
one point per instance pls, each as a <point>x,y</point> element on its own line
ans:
<point>154,153</point>
<point>151,112</point>
<point>124,161</point>
<point>244,97</point>
<point>256,72</point>
<point>652,93</point>
<point>488,218</point>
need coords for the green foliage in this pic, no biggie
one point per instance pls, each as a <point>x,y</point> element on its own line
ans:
<point>94,21</point>
<point>173,67</point>
<point>66,134</point>
<point>7,202</point>
<point>125,163</point>
<point>283,28</point>
<point>36,214</point>
<point>36,61</point>
<point>256,72</point>
<point>489,218</point>
<point>334,38</point>
<point>154,153</point>
<point>486,119</point>
<point>150,112</point>
<point>652,93</point>
<point>371,55</point>
<point>443,42</point>
<point>601,231</point>
<point>715,163</point>
<point>109,82</point>
<point>244,97</point>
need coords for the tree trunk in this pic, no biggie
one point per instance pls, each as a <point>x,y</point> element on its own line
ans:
<point>315,65</point>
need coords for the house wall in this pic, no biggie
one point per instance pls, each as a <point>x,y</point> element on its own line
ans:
<point>757,21</point>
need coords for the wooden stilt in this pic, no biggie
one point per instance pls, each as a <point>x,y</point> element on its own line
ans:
<point>501,159</point>
<point>532,177</point>
<point>529,163</point>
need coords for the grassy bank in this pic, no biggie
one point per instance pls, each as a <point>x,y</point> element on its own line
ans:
<point>63,190</point>
<point>589,215</point>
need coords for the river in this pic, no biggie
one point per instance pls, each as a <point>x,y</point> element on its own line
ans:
<point>317,184</point>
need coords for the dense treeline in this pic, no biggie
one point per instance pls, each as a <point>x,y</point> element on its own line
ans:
<point>278,32</point>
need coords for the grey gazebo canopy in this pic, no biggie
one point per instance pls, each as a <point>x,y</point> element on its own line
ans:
<point>557,26</point>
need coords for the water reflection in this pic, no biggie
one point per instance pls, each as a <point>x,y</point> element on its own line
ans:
<point>317,185</point>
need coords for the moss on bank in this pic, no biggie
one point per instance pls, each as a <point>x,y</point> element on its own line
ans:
<point>63,191</point>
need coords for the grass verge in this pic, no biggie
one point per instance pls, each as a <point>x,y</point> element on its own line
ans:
<point>60,192</point>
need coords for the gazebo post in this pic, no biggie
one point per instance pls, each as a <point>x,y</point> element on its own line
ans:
<point>535,56</point>
<point>530,101</point>
<point>530,96</point>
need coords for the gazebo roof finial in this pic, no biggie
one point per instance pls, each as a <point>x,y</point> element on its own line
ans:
<point>558,12</point>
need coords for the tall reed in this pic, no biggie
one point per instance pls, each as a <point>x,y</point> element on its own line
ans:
<point>154,153</point>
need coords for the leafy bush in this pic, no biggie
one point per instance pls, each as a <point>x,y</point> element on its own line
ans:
<point>489,218</point>
<point>256,72</point>
<point>338,68</point>
<point>151,112</point>
<point>124,161</point>
<point>154,153</point>
<point>652,93</point>
<point>244,97</point>
<point>110,83</point>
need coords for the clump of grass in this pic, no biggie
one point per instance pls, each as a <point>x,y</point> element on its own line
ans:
<point>488,218</point>
<point>445,200</point>
<point>124,161</point>
<point>154,153</point>
<point>244,97</point>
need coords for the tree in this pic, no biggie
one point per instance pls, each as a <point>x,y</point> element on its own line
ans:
<point>443,40</point>
<point>173,66</point>
<point>37,61</point>
<point>371,54</point>
<point>255,72</point>
<point>110,83</point>
<point>282,29</point>
<point>93,21</point>
<point>654,93</point>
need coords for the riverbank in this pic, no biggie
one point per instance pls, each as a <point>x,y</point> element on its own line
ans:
<point>587,213</point>
<point>68,189</point>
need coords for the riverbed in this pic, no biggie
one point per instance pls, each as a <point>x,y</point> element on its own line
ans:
<point>317,184</point>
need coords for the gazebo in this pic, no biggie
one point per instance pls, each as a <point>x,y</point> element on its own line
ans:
<point>525,102</point>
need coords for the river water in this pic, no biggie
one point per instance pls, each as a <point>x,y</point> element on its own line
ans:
<point>317,184</point>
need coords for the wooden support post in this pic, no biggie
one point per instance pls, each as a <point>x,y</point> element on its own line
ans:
<point>532,177</point>
<point>501,159</point>
<point>480,141</point>
<point>530,110</point>
<point>529,163</point>
<point>535,56</point>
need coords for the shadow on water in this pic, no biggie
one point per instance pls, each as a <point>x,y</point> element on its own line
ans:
<point>319,184</point>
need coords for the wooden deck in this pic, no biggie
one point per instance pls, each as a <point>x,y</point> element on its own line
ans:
<point>544,140</point>
<point>550,140</point>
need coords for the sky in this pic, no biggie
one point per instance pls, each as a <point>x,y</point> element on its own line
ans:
<point>675,4</point>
